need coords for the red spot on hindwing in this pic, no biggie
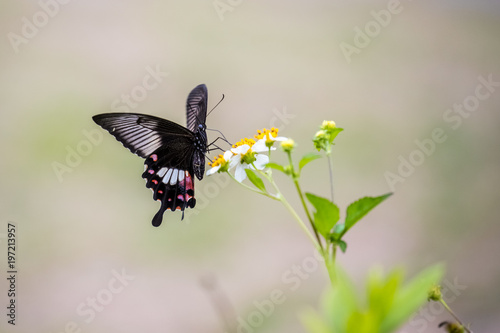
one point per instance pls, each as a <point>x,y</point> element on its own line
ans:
<point>188,182</point>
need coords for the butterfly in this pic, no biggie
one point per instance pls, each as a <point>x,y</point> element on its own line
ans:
<point>173,153</point>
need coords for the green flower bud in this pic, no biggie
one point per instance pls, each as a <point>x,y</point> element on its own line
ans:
<point>288,145</point>
<point>328,125</point>
<point>434,293</point>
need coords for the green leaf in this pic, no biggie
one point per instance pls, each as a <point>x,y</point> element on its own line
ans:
<point>313,322</point>
<point>326,214</point>
<point>342,245</point>
<point>338,231</point>
<point>256,180</point>
<point>390,302</point>
<point>334,237</point>
<point>362,322</point>
<point>308,158</point>
<point>340,302</point>
<point>334,133</point>
<point>360,208</point>
<point>382,290</point>
<point>411,297</point>
<point>275,166</point>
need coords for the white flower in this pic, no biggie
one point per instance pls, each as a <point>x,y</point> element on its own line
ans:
<point>263,145</point>
<point>247,154</point>
<point>220,162</point>
<point>246,157</point>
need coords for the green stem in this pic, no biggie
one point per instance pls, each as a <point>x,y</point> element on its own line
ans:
<point>330,169</point>
<point>253,189</point>
<point>279,196</point>
<point>330,266</point>
<point>454,315</point>
<point>329,261</point>
<point>306,209</point>
<point>301,223</point>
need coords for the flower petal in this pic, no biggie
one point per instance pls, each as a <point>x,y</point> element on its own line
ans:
<point>261,161</point>
<point>213,170</point>
<point>260,146</point>
<point>240,149</point>
<point>227,155</point>
<point>239,173</point>
<point>234,160</point>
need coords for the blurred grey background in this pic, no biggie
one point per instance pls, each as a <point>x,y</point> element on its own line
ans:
<point>83,214</point>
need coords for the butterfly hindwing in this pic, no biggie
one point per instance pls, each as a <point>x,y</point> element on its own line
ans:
<point>173,187</point>
<point>173,153</point>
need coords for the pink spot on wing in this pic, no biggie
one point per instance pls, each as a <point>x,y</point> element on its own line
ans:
<point>160,191</point>
<point>155,181</point>
<point>189,182</point>
<point>150,171</point>
<point>154,157</point>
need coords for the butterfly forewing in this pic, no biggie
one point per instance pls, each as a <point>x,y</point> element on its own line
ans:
<point>196,107</point>
<point>142,134</point>
<point>173,153</point>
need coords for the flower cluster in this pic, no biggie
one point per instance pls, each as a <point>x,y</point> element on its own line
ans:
<point>246,153</point>
<point>325,136</point>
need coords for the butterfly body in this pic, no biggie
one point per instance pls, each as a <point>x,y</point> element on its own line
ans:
<point>173,153</point>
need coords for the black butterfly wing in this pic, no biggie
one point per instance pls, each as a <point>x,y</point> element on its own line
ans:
<point>142,134</point>
<point>196,107</point>
<point>172,185</point>
<point>169,152</point>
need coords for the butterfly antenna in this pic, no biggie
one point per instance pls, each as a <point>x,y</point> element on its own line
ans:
<point>216,105</point>
<point>223,138</point>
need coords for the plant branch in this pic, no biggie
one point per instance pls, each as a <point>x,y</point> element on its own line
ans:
<point>253,189</point>
<point>306,209</point>
<point>454,315</point>
<point>281,197</point>
<point>330,170</point>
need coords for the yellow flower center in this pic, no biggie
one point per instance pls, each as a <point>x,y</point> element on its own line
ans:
<point>249,157</point>
<point>244,141</point>
<point>218,160</point>
<point>265,133</point>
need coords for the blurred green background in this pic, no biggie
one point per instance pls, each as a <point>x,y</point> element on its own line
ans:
<point>278,64</point>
